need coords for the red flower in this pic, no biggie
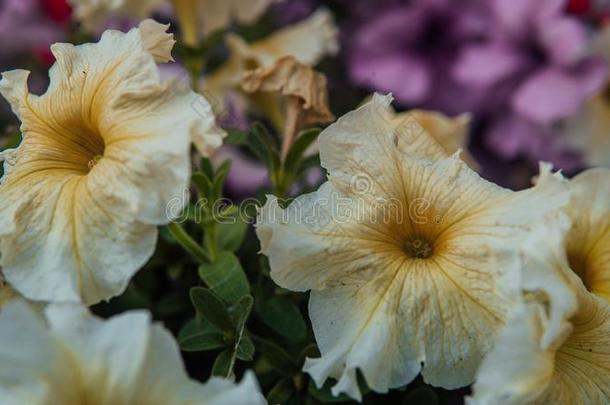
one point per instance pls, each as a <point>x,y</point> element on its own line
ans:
<point>57,10</point>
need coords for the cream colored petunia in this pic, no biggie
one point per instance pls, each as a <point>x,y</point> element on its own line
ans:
<point>400,248</point>
<point>74,358</point>
<point>199,18</point>
<point>93,14</point>
<point>588,243</point>
<point>103,152</point>
<point>555,348</point>
<point>308,41</point>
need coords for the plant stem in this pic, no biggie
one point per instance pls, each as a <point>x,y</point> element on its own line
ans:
<point>188,243</point>
<point>210,240</point>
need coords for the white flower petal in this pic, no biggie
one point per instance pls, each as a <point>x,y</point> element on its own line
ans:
<point>122,360</point>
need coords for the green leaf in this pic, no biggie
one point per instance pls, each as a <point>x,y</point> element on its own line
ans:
<point>245,349</point>
<point>203,183</point>
<point>283,317</point>
<point>219,180</point>
<point>295,154</point>
<point>262,131</point>
<point>211,308</point>
<point>223,363</point>
<point>241,311</point>
<point>231,232</point>
<point>281,392</point>
<point>225,277</point>
<point>263,146</point>
<point>276,356</point>
<point>207,168</point>
<point>199,336</point>
<point>235,137</point>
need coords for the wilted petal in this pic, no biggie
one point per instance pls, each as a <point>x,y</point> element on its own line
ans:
<point>308,41</point>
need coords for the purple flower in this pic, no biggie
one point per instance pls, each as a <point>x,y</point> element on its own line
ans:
<point>533,64</point>
<point>409,50</point>
<point>518,65</point>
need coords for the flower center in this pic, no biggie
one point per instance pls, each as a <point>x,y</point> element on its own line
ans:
<point>418,247</point>
<point>578,263</point>
<point>94,161</point>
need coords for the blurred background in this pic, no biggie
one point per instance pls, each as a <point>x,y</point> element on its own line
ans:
<point>532,75</point>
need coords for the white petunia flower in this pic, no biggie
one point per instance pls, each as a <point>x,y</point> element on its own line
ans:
<point>400,249</point>
<point>104,151</point>
<point>555,347</point>
<point>75,358</point>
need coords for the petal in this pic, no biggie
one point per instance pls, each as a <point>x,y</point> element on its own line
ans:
<point>513,16</point>
<point>218,14</point>
<point>564,40</point>
<point>486,65</point>
<point>308,222</point>
<point>220,391</point>
<point>517,370</point>
<point>94,15</point>
<point>94,344</point>
<point>156,41</point>
<point>548,95</point>
<point>361,326</point>
<point>25,352</point>
<point>63,241</point>
<point>14,88</point>
<point>582,361</point>
<point>589,239</point>
<point>355,149</point>
<point>308,41</point>
<point>451,133</point>
<point>81,358</point>
<point>387,73</point>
